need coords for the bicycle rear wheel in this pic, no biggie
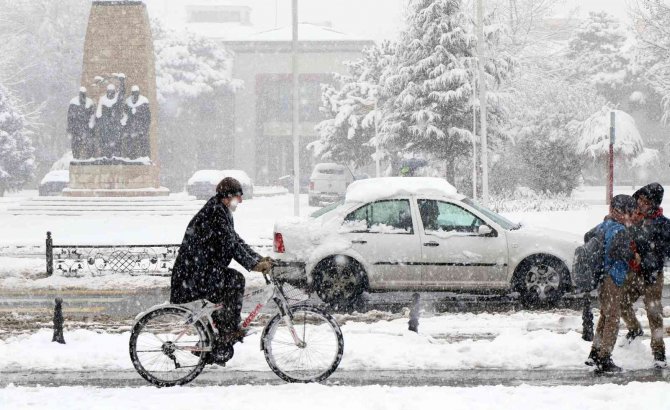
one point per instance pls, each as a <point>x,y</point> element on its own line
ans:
<point>316,357</point>
<point>165,350</point>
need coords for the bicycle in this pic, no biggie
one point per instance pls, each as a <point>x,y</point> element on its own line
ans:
<point>170,344</point>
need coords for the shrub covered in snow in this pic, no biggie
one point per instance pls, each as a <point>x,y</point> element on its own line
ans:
<point>527,200</point>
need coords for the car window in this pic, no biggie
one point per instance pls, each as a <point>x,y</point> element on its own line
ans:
<point>326,209</point>
<point>388,217</point>
<point>444,216</point>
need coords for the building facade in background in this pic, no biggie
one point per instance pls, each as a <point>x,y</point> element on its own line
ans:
<point>260,140</point>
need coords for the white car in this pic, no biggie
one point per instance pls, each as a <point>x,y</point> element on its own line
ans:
<point>202,184</point>
<point>54,182</point>
<point>420,234</point>
<point>328,183</point>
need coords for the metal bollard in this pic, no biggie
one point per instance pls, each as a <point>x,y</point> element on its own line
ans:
<point>587,320</point>
<point>58,322</point>
<point>414,313</point>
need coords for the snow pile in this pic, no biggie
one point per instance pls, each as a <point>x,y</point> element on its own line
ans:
<point>368,190</point>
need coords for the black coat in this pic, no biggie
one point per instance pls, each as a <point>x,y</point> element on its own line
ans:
<point>210,244</point>
<point>652,240</point>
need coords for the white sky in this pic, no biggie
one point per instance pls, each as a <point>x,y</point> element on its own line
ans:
<point>373,19</point>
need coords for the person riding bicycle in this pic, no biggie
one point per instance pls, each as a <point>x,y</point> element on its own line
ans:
<point>201,268</point>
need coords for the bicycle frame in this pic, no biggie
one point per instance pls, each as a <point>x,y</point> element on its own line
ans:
<point>271,292</point>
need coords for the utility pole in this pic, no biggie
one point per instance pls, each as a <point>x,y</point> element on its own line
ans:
<point>482,101</point>
<point>474,147</point>
<point>296,110</point>
<point>377,154</point>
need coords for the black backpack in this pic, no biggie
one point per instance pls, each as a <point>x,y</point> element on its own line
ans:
<point>588,266</point>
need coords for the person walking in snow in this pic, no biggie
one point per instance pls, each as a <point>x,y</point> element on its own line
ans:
<point>617,245</point>
<point>652,242</point>
<point>201,268</point>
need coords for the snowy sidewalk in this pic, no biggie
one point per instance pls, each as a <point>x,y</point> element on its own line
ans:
<point>517,341</point>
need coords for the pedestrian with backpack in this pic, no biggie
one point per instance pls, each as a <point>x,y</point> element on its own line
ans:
<point>652,241</point>
<point>617,253</point>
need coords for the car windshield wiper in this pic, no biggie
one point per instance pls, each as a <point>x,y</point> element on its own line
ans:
<point>516,227</point>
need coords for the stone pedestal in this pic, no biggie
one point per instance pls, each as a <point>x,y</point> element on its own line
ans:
<point>114,180</point>
<point>119,40</point>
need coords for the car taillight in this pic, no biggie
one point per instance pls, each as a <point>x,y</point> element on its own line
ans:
<point>311,185</point>
<point>279,243</point>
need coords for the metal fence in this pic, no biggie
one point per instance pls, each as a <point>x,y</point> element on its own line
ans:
<point>99,260</point>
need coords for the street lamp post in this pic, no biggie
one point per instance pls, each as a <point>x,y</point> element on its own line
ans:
<point>296,110</point>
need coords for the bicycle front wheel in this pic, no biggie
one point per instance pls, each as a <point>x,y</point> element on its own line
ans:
<point>311,353</point>
<point>167,350</point>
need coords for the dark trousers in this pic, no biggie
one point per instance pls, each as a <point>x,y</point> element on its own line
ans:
<point>229,292</point>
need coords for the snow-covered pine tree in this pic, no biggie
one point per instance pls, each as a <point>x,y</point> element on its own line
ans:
<point>597,53</point>
<point>353,109</point>
<point>17,159</point>
<point>429,84</point>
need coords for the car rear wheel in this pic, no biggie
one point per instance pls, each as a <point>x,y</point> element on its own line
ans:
<point>542,281</point>
<point>339,281</point>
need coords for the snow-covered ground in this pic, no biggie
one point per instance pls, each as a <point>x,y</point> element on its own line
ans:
<point>601,397</point>
<point>523,340</point>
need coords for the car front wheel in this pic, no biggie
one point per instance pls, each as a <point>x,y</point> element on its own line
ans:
<point>541,281</point>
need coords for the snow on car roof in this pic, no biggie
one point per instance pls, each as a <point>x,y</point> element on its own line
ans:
<point>214,176</point>
<point>368,190</point>
<point>61,175</point>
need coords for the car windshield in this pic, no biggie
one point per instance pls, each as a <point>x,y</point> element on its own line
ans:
<point>500,220</point>
<point>326,209</point>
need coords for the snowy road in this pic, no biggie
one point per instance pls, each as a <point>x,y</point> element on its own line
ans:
<point>399,378</point>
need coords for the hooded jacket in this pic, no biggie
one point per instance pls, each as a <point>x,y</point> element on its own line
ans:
<point>652,237</point>
<point>617,248</point>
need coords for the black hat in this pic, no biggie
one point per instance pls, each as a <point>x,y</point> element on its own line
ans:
<point>623,203</point>
<point>653,192</point>
<point>229,187</point>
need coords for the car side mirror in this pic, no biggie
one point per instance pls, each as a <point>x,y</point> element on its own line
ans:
<point>485,230</point>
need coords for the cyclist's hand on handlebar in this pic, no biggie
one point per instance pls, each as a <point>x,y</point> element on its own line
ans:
<point>264,266</point>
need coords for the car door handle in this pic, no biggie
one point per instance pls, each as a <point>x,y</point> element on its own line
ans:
<point>433,244</point>
<point>359,241</point>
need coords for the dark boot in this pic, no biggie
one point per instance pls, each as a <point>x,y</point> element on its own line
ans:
<point>632,334</point>
<point>606,365</point>
<point>221,354</point>
<point>593,357</point>
<point>659,360</point>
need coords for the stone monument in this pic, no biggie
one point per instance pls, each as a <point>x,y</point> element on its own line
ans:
<point>117,151</point>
